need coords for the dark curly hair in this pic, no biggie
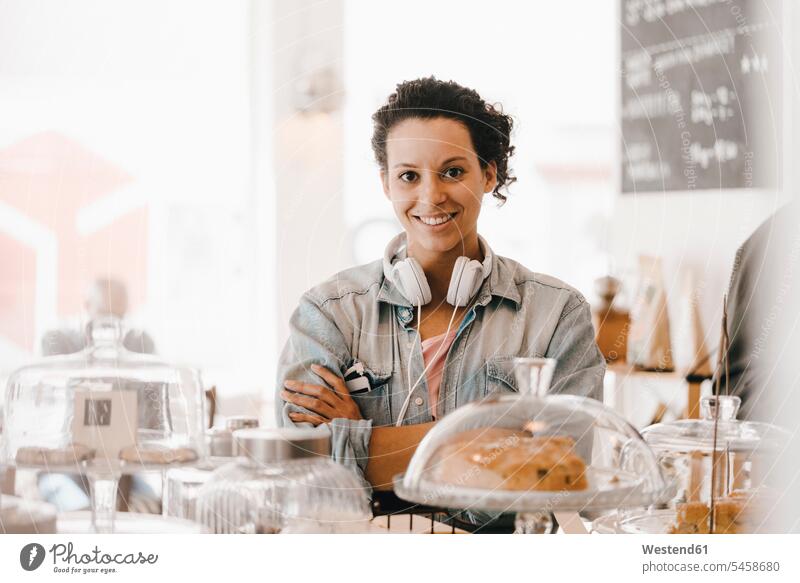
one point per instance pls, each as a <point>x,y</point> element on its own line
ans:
<point>427,98</point>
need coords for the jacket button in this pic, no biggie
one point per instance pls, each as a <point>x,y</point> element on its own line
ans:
<point>418,401</point>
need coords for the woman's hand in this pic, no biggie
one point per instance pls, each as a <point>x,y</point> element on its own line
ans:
<point>324,402</point>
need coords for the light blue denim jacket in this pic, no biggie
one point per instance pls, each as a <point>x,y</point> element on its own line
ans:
<point>359,315</point>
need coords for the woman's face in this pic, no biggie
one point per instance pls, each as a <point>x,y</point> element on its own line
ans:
<point>435,182</point>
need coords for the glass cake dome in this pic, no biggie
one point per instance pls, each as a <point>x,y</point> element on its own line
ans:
<point>533,452</point>
<point>103,412</point>
<point>717,457</point>
<point>698,435</point>
<point>283,481</point>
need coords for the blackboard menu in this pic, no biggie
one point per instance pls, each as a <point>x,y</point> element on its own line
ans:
<point>701,94</point>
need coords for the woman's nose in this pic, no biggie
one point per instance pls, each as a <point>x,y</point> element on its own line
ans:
<point>432,191</point>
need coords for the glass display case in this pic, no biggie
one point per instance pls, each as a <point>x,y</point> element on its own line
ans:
<point>182,485</point>
<point>282,481</point>
<point>129,523</point>
<point>103,412</point>
<point>533,453</point>
<point>727,465</point>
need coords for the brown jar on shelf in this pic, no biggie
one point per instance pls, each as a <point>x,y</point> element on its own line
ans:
<point>611,324</point>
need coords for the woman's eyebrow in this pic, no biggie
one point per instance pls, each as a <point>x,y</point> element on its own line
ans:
<point>453,159</point>
<point>448,161</point>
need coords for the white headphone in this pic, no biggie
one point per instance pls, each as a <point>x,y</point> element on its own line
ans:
<point>409,278</point>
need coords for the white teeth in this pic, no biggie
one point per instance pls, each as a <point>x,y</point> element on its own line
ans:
<point>435,220</point>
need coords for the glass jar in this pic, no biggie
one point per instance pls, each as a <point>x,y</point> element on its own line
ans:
<point>533,453</point>
<point>283,480</point>
<point>103,412</point>
<point>181,485</point>
<point>728,465</point>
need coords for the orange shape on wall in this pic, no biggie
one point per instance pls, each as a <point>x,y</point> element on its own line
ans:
<point>17,291</point>
<point>49,178</point>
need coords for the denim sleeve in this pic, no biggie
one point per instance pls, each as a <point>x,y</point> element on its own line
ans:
<point>581,366</point>
<point>315,339</point>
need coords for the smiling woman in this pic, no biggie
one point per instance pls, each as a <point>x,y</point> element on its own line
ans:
<point>436,187</point>
<point>436,323</point>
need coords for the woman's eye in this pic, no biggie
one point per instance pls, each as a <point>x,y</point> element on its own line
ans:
<point>453,173</point>
<point>408,176</point>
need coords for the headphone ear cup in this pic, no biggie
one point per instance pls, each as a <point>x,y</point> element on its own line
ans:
<point>410,279</point>
<point>464,282</point>
<point>454,290</point>
<point>422,281</point>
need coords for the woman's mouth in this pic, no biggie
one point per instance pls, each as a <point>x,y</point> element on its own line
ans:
<point>435,220</point>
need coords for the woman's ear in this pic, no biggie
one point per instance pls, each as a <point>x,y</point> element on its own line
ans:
<point>490,177</point>
<point>385,183</point>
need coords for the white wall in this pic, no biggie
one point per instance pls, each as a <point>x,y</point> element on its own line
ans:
<point>696,234</point>
<point>298,171</point>
<point>311,240</point>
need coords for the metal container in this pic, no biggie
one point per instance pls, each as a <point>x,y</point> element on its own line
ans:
<point>181,485</point>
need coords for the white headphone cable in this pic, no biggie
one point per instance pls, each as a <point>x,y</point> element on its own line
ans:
<point>404,408</point>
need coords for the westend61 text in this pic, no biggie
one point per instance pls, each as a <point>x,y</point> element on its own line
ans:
<point>65,554</point>
<point>675,550</point>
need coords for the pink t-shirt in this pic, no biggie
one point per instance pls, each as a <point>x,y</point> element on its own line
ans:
<point>436,346</point>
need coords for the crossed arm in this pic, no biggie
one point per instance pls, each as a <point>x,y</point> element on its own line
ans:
<point>390,448</point>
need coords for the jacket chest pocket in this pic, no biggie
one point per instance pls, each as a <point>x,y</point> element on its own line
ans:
<point>500,376</point>
<point>374,404</point>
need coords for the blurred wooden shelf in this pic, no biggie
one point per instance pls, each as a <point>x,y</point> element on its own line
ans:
<point>645,396</point>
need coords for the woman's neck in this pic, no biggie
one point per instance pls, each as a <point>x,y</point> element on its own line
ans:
<point>438,265</point>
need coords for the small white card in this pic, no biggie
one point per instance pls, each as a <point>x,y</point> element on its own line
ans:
<point>105,420</point>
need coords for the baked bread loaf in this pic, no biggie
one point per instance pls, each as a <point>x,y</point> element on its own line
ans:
<point>157,454</point>
<point>691,518</point>
<point>509,460</point>
<point>54,456</point>
<point>737,513</point>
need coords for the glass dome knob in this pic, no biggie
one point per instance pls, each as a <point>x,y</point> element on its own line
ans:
<point>728,407</point>
<point>106,330</point>
<point>534,375</point>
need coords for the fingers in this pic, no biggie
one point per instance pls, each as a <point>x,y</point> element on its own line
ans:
<point>324,394</point>
<point>334,380</point>
<point>307,418</point>
<point>313,404</point>
<point>323,402</point>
